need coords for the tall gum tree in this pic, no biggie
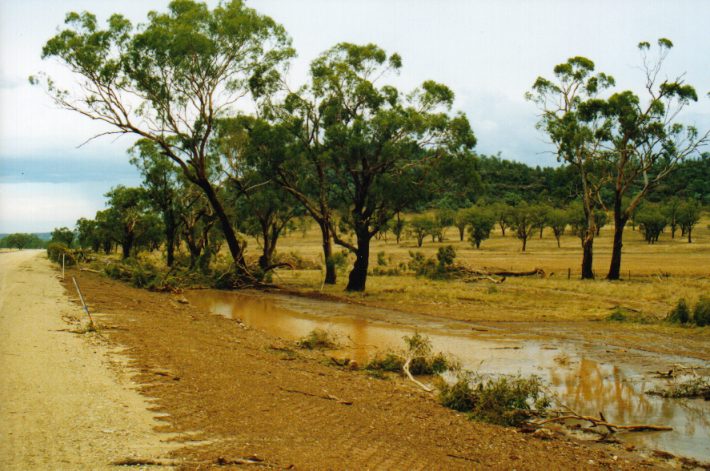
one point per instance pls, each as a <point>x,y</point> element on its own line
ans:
<point>378,143</point>
<point>170,79</point>
<point>571,115</point>
<point>645,141</point>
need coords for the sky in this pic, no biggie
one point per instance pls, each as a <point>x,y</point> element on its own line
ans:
<point>488,52</point>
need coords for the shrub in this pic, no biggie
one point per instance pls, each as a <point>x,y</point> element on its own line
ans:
<point>701,313</point>
<point>318,339</point>
<point>388,362</point>
<point>680,314</point>
<point>504,401</point>
<point>693,387</point>
<point>55,250</point>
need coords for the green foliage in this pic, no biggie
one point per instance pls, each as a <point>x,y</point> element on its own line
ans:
<point>652,221</point>
<point>557,220</point>
<point>22,241</point>
<point>421,226</point>
<point>701,313</point>
<point>318,339</point>
<point>680,313</point>
<point>480,221</point>
<point>523,219</point>
<point>503,401</point>
<point>55,250</point>
<point>688,216</point>
<point>620,314</point>
<point>63,235</point>
<point>390,362</point>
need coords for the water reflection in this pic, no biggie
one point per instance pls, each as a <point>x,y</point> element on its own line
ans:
<point>585,385</point>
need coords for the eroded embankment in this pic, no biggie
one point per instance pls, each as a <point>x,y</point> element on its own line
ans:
<point>254,397</point>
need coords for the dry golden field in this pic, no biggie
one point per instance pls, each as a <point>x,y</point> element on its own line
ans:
<point>660,274</point>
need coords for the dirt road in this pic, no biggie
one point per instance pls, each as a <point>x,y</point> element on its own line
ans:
<point>65,403</point>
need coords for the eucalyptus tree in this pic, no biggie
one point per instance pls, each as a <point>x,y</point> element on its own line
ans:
<point>502,213</point>
<point>651,221</point>
<point>420,227</point>
<point>170,79</point>
<point>646,142</point>
<point>480,221</point>
<point>161,181</point>
<point>572,116</point>
<point>557,220</point>
<point>129,220</point>
<point>264,208</point>
<point>523,222</point>
<point>688,216</point>
<point>671,209</point>
<point>379,142</point>
<point>63,235</point>
<point>88,234</point>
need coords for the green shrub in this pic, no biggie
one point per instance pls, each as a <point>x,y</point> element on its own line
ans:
<point>503,401</point>
<point>318,339</point>
<point>680,313</point>
<point>388,362</point>
<point>690,388</point>
<point>458,396</point>
<point>701,313</point>
<point>55,250</point>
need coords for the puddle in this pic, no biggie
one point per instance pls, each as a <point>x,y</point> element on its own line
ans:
<point>585,380</point>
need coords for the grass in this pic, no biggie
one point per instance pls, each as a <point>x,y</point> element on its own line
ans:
<point>660,275</point>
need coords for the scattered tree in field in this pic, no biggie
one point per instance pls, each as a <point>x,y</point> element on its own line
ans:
<point>421,226</point>
<point>572,118</point>
<point>523,222</point>
<point>539,215</point>
<point>170,79</point>
<point>480,221</point>
<point>651,221</point>
<point>645,142</point>
<point>63,235</point>
<point>688,216</point>
<point>460,222</point>
<point>670,210</point>
<point>502,213</point>
<point>443,219</point>
<point>557,220</point>
<point>601,218</point>
<point>21,240</point>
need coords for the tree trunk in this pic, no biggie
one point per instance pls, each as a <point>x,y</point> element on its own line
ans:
<point>462,230</point>
<point>525,242</point>
<point>690,237</point>
<point>235,249</point>
<point>587,256</point>
<point>619,223</point>
<point>170,244</point>
<point>358,275</point>
<point>126,246</point>
<point>330,272</point>
<point>558,240</point>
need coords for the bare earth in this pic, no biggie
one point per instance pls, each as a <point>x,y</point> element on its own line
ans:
<point>64,403</point>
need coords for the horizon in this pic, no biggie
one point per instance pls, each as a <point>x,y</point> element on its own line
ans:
<point>488,53</point>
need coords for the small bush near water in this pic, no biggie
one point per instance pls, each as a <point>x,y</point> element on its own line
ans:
<point>680,314</point>
<point>689,388</point>
<point>701,313</point>
<point>423,361</point>
<point>318,339</point>
<point>503,401</point>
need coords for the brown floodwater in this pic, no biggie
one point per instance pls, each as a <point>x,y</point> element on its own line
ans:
<point>586,378</point>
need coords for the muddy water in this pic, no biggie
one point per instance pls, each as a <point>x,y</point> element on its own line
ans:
<point>587,378</point>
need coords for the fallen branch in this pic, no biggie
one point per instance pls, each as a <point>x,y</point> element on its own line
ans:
<point>405,368</point>
<point>599,422</point>
<point>89,270</point>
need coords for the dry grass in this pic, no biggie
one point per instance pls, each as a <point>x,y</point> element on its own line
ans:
<point>660,275</point>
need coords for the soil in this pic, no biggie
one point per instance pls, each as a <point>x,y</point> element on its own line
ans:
<point>236,396</point>
<point>67,402</point>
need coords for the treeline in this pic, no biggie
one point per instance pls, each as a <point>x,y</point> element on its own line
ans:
<point>346,150</point>
<point>22,240</point>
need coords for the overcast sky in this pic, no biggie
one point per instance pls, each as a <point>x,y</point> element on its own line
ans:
<point>488,52</point>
